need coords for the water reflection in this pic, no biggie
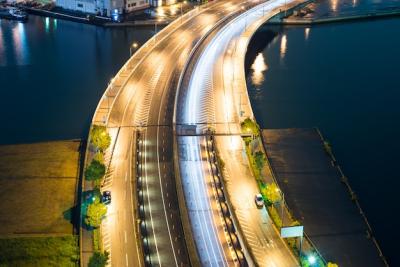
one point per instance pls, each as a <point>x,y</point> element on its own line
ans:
<point>259,67</point>
<point>20,44</point>
<point>334,5</point>
<point>47,24</point>
<point>283,46</point>
<point>306,33</point>
<point>3,60</point>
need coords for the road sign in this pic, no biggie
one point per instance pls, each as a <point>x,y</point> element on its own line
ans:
<point>292,231</point>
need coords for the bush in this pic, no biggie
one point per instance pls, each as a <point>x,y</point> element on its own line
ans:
<point>271,193</point>
<point>95,171</point>
<point>96,240</point>
<point>249,126</point>
<point>95,213</point>
<point>99,156</point>
<point>98,259</point>
<point>99,137</point>
<point>273,213</point>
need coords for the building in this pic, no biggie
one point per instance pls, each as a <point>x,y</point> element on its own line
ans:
<point>107,8</point>
<point>132,5</point>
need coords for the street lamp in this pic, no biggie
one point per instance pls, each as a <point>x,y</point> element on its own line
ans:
<point>311,259</point>
<point>134,46</point>
<point>282,203</point>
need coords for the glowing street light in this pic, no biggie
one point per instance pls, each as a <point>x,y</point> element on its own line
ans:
<point>135,45</point>
<point>311,259</point>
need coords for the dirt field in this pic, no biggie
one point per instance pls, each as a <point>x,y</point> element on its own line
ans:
<point>37,188</point>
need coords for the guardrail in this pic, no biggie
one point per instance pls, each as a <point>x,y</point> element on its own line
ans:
<point>120,79</point>
<point>354,199</point>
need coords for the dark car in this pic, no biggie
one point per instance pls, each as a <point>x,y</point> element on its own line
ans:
<point>106,197</point>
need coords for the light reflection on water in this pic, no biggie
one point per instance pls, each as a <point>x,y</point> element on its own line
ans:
<point>283,46</point>
<point>3,59</point>
<point>259,67</point>
<point>306,33</point>
<point>334,5</point>
<point>17,52</point>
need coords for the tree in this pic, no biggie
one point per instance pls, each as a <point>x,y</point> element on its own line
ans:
<point>272,193</point>
<point>99,259</point>
<point>100,137</point>
<point>249,126</point>
<point>95,213</point>
<point>99,156</point>
<point>259,160</point>
<point>330,264</point>
<point>95,171</point>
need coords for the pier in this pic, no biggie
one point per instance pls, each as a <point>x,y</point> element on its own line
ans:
<point>321,198</point>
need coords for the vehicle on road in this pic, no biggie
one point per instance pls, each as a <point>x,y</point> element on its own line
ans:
<point>259,201</point>
<point>106,197</point>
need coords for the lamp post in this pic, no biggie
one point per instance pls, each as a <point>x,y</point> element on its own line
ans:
<point>282,203</point>
<point>134,46</point>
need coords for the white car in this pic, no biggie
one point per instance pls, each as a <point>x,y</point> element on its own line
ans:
<point>259,200</point>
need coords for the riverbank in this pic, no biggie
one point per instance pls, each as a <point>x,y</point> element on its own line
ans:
<point>296,20</point>
<point>320,12</point>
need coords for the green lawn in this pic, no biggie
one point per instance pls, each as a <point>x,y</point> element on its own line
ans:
<point>39,251</point>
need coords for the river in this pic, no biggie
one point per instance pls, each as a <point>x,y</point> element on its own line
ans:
<point>344,79</point>
<point>53,73</point>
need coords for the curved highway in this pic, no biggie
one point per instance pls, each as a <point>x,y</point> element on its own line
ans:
<point>213,95</point>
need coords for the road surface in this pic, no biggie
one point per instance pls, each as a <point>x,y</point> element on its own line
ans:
<point>145,103</point>
<point>210,98</point>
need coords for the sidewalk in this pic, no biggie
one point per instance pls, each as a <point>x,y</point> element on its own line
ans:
<point>261,237</point>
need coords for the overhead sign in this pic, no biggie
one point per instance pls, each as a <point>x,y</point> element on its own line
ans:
<point>292,231</point>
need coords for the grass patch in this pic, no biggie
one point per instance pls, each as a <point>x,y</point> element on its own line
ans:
<point>38,187</point>
<point>39,251</point>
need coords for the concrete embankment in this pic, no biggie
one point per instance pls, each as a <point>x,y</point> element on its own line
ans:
<point>320,197</point>
<point>306,21</point>
<point>94,20</point>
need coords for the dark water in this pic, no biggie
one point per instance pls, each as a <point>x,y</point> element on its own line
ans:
<point>344,79</point>
<point>53,73</point>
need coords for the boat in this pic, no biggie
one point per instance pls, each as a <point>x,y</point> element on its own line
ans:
<point>13,13</point>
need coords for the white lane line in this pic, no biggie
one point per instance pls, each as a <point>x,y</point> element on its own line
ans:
<point>161,186</point>
<point>221,247</point>
<point>126,258</point>
<point>125,236</point>
<point>132,212</point>
<point>148,200</point>
<point>197,176</point>
<point>126,176</point>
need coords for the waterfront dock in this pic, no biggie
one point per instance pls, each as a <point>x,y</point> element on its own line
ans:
<point>288,18</point>
<point>320,197</point>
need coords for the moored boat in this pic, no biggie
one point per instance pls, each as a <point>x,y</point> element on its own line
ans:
<point>13,13</point>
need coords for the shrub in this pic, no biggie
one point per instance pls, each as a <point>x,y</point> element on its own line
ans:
<point>249,126</point>
<point>99,137</point>
<point>95,170</point>
<point>95,213</point>
<point>98,259</point>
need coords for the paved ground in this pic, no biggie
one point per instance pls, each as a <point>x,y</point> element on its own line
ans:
<point>317,197</point>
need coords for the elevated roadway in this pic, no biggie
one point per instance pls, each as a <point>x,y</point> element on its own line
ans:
<point>213,95</point>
